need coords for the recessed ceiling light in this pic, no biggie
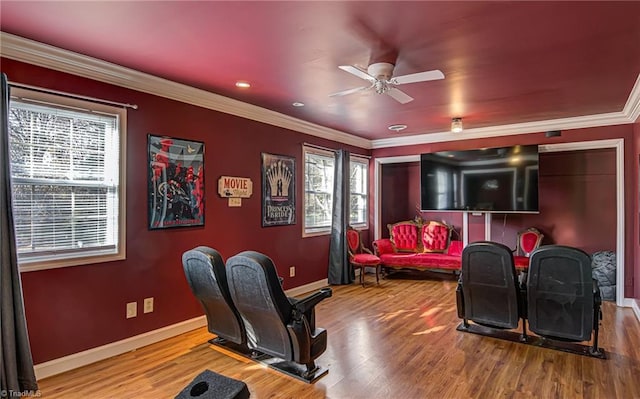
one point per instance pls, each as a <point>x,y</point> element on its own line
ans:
<point>397,127</point>
<point>298,104</point>
<point>242,84</point>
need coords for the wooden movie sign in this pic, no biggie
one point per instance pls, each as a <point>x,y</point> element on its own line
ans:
<point>235,188</point>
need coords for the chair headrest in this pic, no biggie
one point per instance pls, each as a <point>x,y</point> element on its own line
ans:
<point>260,265</point>
<point>201,261</point>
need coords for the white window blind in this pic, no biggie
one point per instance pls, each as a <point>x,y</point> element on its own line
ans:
<point>65,168</point>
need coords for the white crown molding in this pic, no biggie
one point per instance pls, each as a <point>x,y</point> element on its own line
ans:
<point>632,107</point>
<point>32,52</point>
<point>613,118</point>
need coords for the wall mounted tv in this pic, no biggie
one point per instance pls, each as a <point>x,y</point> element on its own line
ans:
<point>501,180</point>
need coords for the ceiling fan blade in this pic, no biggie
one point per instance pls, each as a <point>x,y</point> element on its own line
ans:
<point>399,95</point>
<point>349,91</point>
<point>417,77</point>
<point>357,72</point>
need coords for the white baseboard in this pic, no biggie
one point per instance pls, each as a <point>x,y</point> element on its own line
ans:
<point>70,362</point>
<point>73,361</point>
<point>303,289</point>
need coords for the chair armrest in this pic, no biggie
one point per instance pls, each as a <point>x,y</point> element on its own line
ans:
<point>302,306</point>
<point>455,248</point>
<point>383,246</point>
<point>597,297</point>
<point>460,300</point>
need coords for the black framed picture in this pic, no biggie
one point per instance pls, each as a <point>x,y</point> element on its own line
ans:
<point>278,190</point>
<point>175,182</point>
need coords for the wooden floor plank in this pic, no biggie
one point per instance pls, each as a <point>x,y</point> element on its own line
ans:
<point>392,340</point>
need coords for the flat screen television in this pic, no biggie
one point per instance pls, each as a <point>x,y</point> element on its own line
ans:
<point>501,180</point>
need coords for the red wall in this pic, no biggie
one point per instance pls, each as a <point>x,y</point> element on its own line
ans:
<point>76,308</point>
<point>394,201</point>
<point>577,193</point>
<point>583,193</point>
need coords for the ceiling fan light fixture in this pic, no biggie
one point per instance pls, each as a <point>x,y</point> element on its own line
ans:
<point>456,125</point>
<point>397,127</point>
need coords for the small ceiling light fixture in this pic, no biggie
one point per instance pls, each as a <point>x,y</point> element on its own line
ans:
<point>298,104</point>
<point>397,127</point>
<point>456,125</point>
<point>243,85</point>
<point>553,133</point>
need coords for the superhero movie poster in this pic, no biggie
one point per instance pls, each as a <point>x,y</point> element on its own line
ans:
<point>176,182</point>
<point>278,190</point>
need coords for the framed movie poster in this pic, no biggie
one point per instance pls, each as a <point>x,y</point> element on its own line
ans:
<point>175,182</point>
<point>278,190</point>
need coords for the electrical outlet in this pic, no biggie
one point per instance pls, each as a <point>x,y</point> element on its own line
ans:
<point>148,305</point>
<point>132,309</point>
<point>292,271</point>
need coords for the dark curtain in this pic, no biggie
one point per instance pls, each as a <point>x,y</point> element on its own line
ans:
<point>339,270</point>
<point>15,354</point>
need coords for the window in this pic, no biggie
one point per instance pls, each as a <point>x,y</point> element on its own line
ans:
<point>319,168</point>
<point>67,179</point>
<point>358,215</point>
<point>318,190</point>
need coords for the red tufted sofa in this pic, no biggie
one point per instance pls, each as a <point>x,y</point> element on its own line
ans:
<point>419,245</point>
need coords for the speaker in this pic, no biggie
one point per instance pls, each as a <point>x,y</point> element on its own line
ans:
<point>553,133</point>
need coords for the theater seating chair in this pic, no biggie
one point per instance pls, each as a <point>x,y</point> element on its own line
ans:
<point>563,298</point>
<point>276,325</point>
<point>488,291</point>
<point>206,274</point>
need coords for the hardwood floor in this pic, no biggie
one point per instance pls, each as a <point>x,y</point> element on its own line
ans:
<point>395,340</point>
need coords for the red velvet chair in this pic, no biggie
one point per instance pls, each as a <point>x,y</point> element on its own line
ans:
<point>528,241</point>
<point>359,256</point>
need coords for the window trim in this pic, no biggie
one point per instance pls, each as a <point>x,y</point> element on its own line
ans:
<point>92,256</point>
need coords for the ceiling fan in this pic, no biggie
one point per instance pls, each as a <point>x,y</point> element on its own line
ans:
<point>380,75</point>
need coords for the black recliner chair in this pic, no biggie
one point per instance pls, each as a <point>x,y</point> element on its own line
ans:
<point>488,292</point>
<point>206,274</point>
<point>276,325</point>
<point>563,298</point>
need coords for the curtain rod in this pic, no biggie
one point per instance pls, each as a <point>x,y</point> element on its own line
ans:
<point>70,95</point>
<point>332,150</point>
